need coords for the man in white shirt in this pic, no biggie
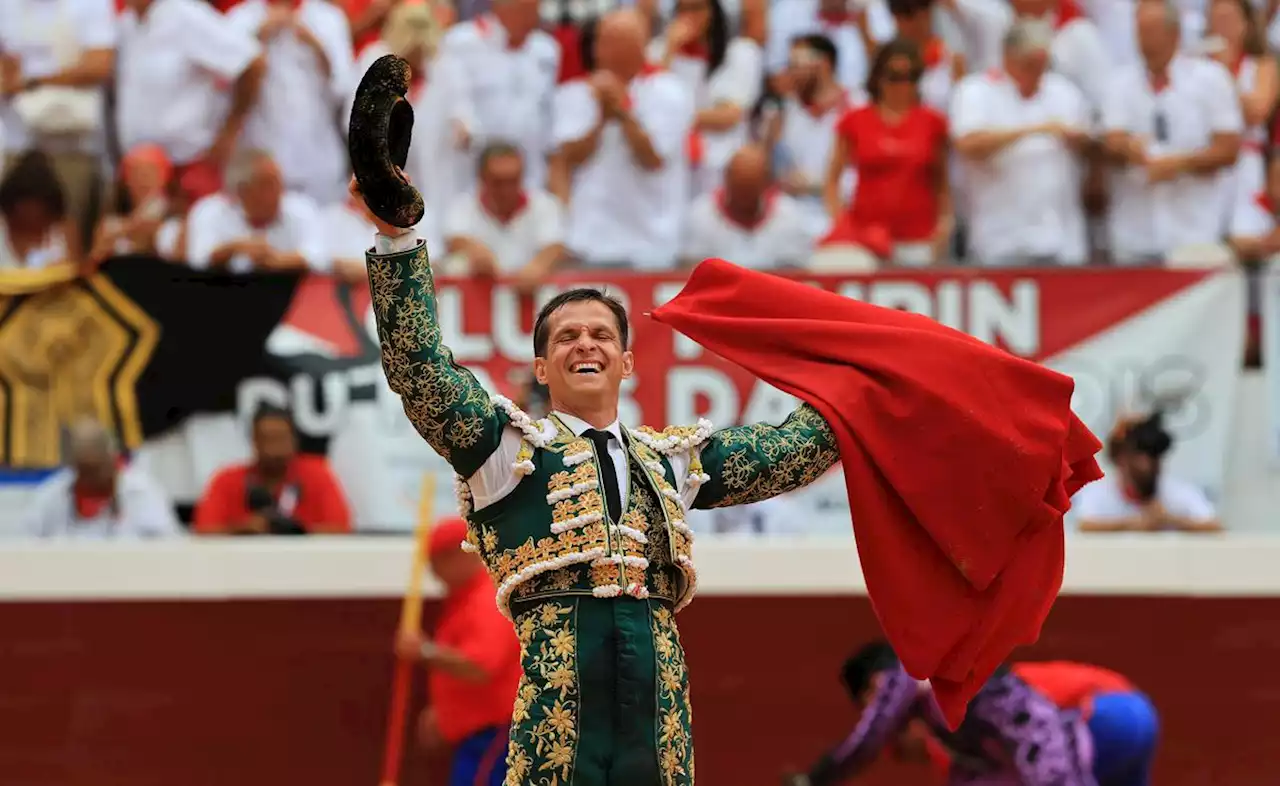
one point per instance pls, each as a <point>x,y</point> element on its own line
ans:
<point>1079,53</point>
<point>1172,125</point>
<point>748,222</point>
<point>1137,496</point>
<point>504,70</point>
<point>256,225</point>
<point>503,229</point>
<point>309,63</point>
<point>186,79</point>
<point>1020,131</point>
<point>55,60</point>
<point>623,134</point>
<point>1254,233</point>
<point>853,31</point>
<point>98,498</point>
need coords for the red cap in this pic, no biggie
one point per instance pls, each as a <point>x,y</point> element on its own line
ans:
<point>446,535</point>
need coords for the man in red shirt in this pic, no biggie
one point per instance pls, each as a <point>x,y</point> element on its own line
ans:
<point>280,492</point>
<point>473,664</point>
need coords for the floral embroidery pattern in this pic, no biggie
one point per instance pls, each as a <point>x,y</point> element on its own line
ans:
<point>544,720</point>
<point>757,462</point>
<point>673,734</point>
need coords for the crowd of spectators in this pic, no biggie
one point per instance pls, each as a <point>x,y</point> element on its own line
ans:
<point>643,135</point>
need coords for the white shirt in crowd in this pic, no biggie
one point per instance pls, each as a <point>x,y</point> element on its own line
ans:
<point>1242,182</point>
<point>790,19</point>
<point>295,118</point>
<point>1080,54</point>
<point>142,510</point>
<point>782,238</point>
<point>505,94</point>
<point>46,37</point>
<point>1024,201</point>
<point>805,140</point>
<point>1147,220</point>
<point>619,212</point>
<point>347,232</point>
<point>1105,500</point>
<point>52,251</point>
<point>1252,218</point>
<point>218,219</point>
<point>737,81</point>
<point>175,70</point>
<point>537,225</point>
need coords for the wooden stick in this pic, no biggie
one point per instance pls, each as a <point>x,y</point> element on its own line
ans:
<point>410,622</point>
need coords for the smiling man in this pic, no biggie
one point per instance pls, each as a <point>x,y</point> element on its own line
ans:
<point>581,521</point>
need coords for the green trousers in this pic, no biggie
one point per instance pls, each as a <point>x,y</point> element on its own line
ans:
<point>605,696</point>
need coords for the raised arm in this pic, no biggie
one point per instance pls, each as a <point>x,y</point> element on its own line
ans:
<point>885,714</point>
<point>751,463</point>
<point>443,400</point>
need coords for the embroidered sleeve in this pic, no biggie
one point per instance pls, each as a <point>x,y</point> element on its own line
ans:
<point>753,463</point>
<point>888,710</point>
<point>444,401</point>
<point>1044,746</point>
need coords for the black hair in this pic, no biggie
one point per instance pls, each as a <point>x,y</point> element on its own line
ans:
<point>1147,436</point>
<point>898,47</point>
<point>908,7</point>
<point>271,412</point>
<point>542,330</point>
<point>587,43</point>
<point>717,37</point>
<point>863,665</point>
<point>32,176</point>
<point>821,45</point>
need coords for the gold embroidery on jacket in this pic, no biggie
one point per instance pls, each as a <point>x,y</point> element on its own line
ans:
<point>763,461</point>
<point>675,716</point>
<point>544,720</point>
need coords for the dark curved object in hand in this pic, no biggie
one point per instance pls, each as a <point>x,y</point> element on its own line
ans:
<point>378,140</point>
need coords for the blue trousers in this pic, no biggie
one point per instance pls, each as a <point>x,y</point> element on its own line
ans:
<point>1125,729</point>
<point>481,759</point>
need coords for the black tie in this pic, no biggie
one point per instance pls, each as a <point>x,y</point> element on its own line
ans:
<point>612,497</point>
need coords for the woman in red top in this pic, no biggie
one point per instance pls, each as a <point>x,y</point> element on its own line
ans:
<point>901,207</point>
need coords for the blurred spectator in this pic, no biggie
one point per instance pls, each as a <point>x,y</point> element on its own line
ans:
<point>504,70</point>
<point>748,220</point>
<point>348,228</point>
<point>623,135</point>
<point>308,54</point>
<point>1022,130</point>
<point>186,80</point>
<point>473,664</point>
<point>724,75</point>
<point>279,492</point>
<point>853,28</point>
<point>55,60</point>
<point>1078,49</point>
<point>901,208</point>
<point>1138,496</point>
<point>35,230</point>
<point>147,223</point>
<point>437,162</point>
<point>806,129</point>
<point>256,225</point>
<point>1173,124</point>
<point>504,229</point>
<point>942,67</point>
<point>99,495</point>
<point>368,18</point>
<point>1240,49</point>
<point>1255,225</point>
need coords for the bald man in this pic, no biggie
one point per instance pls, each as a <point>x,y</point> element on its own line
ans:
<point>622,135</point>
<point>748,220</point>
<point>98,496</point>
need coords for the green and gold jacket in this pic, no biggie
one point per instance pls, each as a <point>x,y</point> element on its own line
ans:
<point>552,535</point>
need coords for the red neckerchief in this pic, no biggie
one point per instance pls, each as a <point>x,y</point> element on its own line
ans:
<point>766,208</point>
<point>818,109</point>
<point>487,203</point>
<point>695,49</point>
<point>91,504</point>
<point>1129,493</point>
<point>489,24</point>
<point>835,18</point>
<point>1238,64</point>
<point>1067,13</point>
<point>933,52</point>
<point>1264,201</point>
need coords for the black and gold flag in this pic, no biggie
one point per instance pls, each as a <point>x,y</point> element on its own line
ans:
<point>139,345</point>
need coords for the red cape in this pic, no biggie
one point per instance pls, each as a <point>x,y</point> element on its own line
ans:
<point>959,460</point>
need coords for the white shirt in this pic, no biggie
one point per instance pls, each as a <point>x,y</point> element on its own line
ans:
<point>347,232</point>
<point>536,226</point>
<point>619,212</point>
<point>783,238</point>
<point>217,219</point>
<point>805,142</point>
<point>52,251</point>
<point>790,19</point>
<point>1199,101</point>
<point>295,116</point>
<point>143,510</point>
<point>47,37</point>
<point>175,70</point>
<point>1024,202</point>
<point>1106,501</point>
<point>506,94</point>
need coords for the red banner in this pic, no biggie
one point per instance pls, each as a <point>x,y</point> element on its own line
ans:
<point>1035,314</point>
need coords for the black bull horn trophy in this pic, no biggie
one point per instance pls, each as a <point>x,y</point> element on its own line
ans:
<point>378,141</point>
